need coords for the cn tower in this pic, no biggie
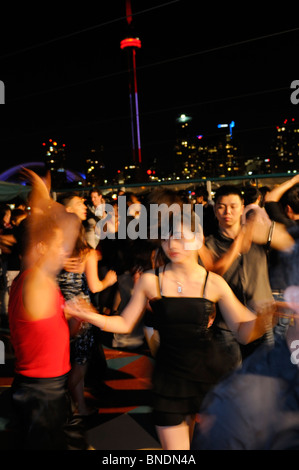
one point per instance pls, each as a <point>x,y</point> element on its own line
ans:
<point>131,44</point>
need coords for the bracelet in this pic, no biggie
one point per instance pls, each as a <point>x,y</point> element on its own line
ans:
<point>270,235</point>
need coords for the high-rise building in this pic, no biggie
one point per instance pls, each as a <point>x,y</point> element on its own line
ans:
<point>229,161</point>
<point>286,147</point>
<point>185,165</point>
<point>203,156</point>
<point>95,168</point>
<point>55,162</point>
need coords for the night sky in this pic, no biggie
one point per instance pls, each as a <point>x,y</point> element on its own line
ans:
<point>66,77</point>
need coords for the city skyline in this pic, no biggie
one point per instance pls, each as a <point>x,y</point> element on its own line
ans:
<point>196,157</point>
<point>205,63</point>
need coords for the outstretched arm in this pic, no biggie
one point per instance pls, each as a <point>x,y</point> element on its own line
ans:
<point>276,193</point>
<point>245,324</point>
<point>257,232</point>
<point>123,323</point>
<point>241,244</point>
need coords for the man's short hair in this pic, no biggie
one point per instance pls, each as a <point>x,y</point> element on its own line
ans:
<point>291,198</point>
<point>65,199</point>
<point>202,191</point>
<point>96,191</point>
<point>227,190</point>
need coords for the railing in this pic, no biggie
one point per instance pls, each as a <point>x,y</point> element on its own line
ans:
<point>211,183</point>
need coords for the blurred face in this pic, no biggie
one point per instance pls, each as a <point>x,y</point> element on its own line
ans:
<point>77,206</point>
<point>52,252</point>
<point>180,246</point>
<point>199,200</point>
<point>228,210</point>
<point>96,199</point>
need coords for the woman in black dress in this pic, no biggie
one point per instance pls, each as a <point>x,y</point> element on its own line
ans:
<point>182,296</point>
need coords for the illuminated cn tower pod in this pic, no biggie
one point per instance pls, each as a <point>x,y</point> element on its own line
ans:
<point>131,44</point>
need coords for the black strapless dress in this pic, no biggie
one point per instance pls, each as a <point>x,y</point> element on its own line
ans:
<point>191,357</point>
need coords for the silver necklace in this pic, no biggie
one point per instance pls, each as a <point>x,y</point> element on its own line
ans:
<point>180,287</point>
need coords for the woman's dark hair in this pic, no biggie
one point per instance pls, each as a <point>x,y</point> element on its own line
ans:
<point>251,194</point>
<point>81,247</point>
<point>291,198</point>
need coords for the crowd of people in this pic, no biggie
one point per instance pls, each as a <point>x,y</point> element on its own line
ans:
<point>217,311</point>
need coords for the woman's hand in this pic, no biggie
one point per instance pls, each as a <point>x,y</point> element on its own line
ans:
<point>110,278</point>
<point>78,307</point>
<point>73,265</point>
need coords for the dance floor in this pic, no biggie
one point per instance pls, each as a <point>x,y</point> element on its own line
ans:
<point>119,390</point>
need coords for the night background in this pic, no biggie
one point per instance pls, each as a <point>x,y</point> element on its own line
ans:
<point>66,77</point>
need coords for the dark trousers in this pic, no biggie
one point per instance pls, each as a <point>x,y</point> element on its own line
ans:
<point>43,413</point>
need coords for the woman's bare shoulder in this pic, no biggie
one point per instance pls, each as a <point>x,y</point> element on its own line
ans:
<point>216,287</point>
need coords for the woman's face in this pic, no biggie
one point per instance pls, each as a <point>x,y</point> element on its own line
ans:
<point>181,245</point>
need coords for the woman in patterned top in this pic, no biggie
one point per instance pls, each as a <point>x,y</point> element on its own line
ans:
<point>80,277</point>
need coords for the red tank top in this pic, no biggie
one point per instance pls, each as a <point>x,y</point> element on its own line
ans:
<point>42,347</point>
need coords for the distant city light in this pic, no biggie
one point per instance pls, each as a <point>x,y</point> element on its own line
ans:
<point>222,125</point>
<point>231,125</point>
<point>184,118</point>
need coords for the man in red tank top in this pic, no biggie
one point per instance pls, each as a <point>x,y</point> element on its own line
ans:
<point>41,337</point>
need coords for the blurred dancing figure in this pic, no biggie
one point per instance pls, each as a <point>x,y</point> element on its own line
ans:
<point>79,276</point>
<point>257,407</point>
<point>39,329</point>
<point>282,205</point>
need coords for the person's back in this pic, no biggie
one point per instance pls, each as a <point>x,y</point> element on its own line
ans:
<point>236,415</point>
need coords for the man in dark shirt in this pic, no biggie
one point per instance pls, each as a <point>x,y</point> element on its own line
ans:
<point>282,205</point>
<point>240,254</point>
